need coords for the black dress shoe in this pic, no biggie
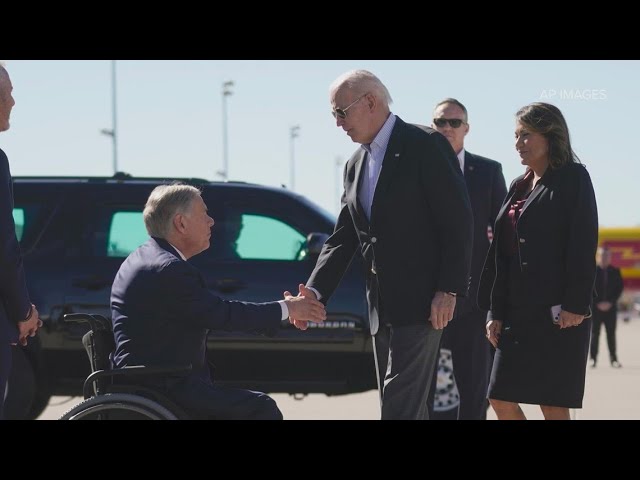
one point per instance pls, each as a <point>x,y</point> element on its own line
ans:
<point>593,363</point>
<point>616,364</point>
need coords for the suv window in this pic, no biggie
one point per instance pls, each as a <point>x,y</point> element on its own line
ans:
<point>126,233</point>
<point>18,219</point>
<point>266,238</point>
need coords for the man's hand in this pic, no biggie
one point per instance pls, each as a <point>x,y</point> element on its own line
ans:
<point>494,329</point>
<point>30,326</point>
<point>304,308</point>
<point>568,319</point>
<point>442,307</point>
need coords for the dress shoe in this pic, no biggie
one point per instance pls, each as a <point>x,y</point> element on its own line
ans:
<point>616,364</point>
<point>593,363</point>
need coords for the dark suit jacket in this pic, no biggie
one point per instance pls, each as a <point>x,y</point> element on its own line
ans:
<point>557,237</point>
<point>612,290</point>
<point>14,298</point>
<point>420,236</point>
<point>487,189</point>
<point>162,311</point>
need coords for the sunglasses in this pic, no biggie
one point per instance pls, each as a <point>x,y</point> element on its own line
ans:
<point>342,112</point>
<point>454,122</point>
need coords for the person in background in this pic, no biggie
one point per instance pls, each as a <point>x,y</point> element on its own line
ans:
<point>406,210</point>
<point>465,336</point>
<point>18,316</point>
<point>539,274</point>
<point>609,287</point>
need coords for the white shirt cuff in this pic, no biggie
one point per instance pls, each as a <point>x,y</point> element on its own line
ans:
<point>318,296</point>
<point>284,308</point>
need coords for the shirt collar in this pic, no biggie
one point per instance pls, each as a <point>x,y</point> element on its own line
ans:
<point>179,252</point>
<point>381,140</point>
<point>461,160</point>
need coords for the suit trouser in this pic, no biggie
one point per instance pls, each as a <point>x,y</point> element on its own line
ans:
<point>204,400</point>
<point>472,358</point>
<point>610,319</point>
<point>5,370</point>
<point>406,358</point>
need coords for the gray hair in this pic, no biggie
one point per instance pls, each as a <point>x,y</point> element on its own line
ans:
<point>163,204</point>
<point>453,101</point>
<point>361,82</point>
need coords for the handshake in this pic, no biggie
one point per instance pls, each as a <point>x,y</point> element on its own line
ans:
<point>304,308</point>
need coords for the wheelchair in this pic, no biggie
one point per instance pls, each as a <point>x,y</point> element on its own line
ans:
<point>111,393</point>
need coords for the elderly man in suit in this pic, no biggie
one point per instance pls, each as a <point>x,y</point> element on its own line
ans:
<point>406,210</point>
<point>162,309</point>
<point>18,316</point>
<point>464,339</point>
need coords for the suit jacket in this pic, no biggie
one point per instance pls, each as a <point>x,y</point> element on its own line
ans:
<point>162,311</point>
<point>556,236</point>
<point>612,290</point>
<point>487,189</point>
<point>419,239</point>
<point>14,298</point>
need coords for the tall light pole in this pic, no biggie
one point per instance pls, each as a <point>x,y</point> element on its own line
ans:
<point>113,132</point>
<point>226,92</point>
<point>293,134</point>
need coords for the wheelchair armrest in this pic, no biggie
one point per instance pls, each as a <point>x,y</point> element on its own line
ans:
<point>96,322</point>
<point>133,370</point>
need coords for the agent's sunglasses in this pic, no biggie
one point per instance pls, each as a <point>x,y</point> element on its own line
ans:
<point>342,112</point>
<point>454,122</point>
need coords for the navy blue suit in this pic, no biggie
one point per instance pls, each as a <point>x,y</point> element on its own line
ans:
<point>417,241</point>
<point>465,336</point>
<point>162,312</point>
<point>14,298</point>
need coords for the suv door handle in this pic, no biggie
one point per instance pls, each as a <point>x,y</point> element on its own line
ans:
<point>227,285</point>
<point>91,283</point>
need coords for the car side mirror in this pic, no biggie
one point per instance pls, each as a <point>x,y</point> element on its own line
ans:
<point>315,241</point>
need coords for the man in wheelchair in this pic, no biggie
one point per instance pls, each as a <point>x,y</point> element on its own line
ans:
<point>162,311</point>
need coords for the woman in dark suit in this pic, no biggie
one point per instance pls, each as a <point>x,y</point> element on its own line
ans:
<point>541,265</point>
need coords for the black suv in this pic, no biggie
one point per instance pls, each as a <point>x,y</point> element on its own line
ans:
<point>75,233</point>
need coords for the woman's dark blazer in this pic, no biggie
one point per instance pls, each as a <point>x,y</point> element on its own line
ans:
<point>556,237</point>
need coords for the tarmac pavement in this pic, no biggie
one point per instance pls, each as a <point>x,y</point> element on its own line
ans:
<point>610,393</point>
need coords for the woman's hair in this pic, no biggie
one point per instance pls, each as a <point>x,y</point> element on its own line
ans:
<point>547,120</point>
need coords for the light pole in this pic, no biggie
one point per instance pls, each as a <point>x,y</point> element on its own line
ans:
<point>113,132</point>
<point>226,91</point>
<point>293,134</point>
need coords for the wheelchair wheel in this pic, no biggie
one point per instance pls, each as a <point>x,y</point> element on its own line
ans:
<point>118,406</point>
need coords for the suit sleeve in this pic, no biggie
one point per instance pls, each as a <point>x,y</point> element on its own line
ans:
<point>618,287</point>
<point>582,241</point>
<point>13,285</point>
<point>337,253</point>
<point>192,301</point>
<point>498,194</point>
<point>447,198</point>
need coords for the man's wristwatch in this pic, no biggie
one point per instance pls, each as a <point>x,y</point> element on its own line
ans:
<point>453,294</point>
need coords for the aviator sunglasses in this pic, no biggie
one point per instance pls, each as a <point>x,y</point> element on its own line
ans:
<point>342,112</point>
<point>454,122</point>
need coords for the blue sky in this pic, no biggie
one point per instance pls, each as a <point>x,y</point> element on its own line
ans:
<point>170,118</point>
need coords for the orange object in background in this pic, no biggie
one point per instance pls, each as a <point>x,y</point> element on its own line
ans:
<point>624,244</point>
